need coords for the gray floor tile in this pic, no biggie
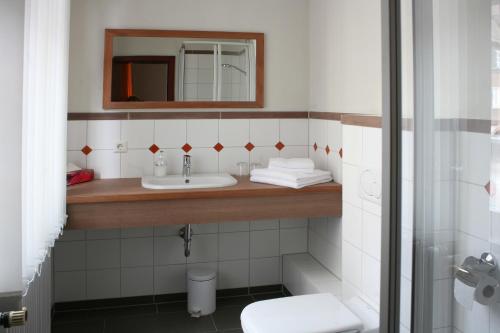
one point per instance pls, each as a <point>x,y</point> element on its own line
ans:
<point>92,326</point>
<point>172,307</point>
<point>234,301</point>
<point>262,297</point>
<point>184,323</point>
<point>228,318</point>
<point>128,311</point>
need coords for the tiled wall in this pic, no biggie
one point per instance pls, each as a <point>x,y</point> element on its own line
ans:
<point>325,234</point>
<point>361,219</point>
<point>97,264</point>
<point>243,253</point>
<point>92,143</point>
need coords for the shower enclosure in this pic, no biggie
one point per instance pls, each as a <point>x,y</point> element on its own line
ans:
<point>449,175</point>
<point>217,71</point>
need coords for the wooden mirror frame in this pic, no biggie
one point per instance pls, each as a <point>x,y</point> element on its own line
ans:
<point>108,69</point>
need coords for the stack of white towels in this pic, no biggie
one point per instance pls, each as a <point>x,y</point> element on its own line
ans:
<point>290,172</point>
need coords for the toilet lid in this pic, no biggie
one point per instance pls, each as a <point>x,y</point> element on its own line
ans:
<point>317,313</point>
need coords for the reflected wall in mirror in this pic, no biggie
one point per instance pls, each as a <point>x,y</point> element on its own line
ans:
<point>183,69</point>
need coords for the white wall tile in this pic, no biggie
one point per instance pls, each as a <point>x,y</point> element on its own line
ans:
<point>137,252</point>
<point>350,185</point>
<point>138,133</point>
<point>264,224</point>
<point>103,254</point>
<point>203,132</point>
<point>234,132</point>
<point>294,151</point>
<point>474,216</point>
<point>103,284</point>
<point>234,246</point>
<point>77,135</point>
<point>137,232</point>
<point>106,164</point>
<point>170,279</point>
<point>169,250</point>
<point>293,223</point>
<point>293,240</point>
<point>206,228</point>
<point>352,144</point>
<point>317,132</point>
<point>137,163</point>
<point>69,286</point>
<point>372,148</point>
<point>229,159</point>
<point>264,243</point>
<point>334,231</point>
<point>442,303</point>
<point>476,153</point>
<point>334,135</point>
<point>233,274</point>
<point>137,281</point>
<point>319,157</point>
<point>264,132</point>
<point>174,161</point>
<point>204,160</point>
<point>203,248</point>
<point>372,231</point>
<point>234,226</point>
<point>95,234</point>
<point>265,271</point>
<point>371,280</point>
<point>294,132</point>
<point>103,134</point>
<point>76,157</point>
<point>263,154</point>
<point>352,225</point>
<point>352,260</point>
<point>170,133</point>
<point>71,235</point>
<point>69,256</point>
<point>167,230</point>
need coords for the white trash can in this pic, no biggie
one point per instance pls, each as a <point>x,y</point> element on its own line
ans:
<point>201,284</point>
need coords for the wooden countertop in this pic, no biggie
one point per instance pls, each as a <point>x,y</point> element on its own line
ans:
<point>124,203</point>
<point>131,190</point>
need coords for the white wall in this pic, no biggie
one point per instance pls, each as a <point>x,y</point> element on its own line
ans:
<point>11,87</point>
<point>284,22</point>
<point>345,59</point>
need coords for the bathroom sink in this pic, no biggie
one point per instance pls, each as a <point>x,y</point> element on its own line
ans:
<point>177,182</point>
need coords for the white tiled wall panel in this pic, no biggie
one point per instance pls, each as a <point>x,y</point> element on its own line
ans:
<point>98,264</point>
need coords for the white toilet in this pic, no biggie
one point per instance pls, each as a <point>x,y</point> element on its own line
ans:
<point>315,313</point>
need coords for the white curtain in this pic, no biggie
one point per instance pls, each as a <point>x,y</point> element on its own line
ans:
<point>45,94</point>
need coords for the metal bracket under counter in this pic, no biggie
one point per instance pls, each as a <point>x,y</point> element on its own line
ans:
<point>122,203</point>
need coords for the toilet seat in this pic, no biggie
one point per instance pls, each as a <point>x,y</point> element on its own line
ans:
<point>317,313</point>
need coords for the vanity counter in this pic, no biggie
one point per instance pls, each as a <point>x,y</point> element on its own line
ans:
<point>120,203</point>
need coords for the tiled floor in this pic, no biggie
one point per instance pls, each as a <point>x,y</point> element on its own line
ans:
<point>169,317</point>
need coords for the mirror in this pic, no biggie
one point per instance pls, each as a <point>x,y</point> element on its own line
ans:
<point>183,69</point>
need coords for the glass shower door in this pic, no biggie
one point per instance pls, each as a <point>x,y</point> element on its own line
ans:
<point>450,86</point>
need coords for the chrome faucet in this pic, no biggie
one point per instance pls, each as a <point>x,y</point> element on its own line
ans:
<point>186,168</point>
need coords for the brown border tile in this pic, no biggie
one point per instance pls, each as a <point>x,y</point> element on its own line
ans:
<point>98,116</point>
<point>265,115</point>
<point>362,120</point>
<point>325,115</point>
<point>174,115</point>
<point>464,125</point>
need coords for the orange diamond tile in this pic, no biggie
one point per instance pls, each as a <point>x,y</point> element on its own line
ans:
<point>327,149</point>
<point>315,146</point>
<point>187,148</point>
<point>490,189</point>
<point>249,146</point>
<point>86,150</point>
<point>218,147</point>
<point>341,153</point>
<point>280,145</point>
<point>154,148</point>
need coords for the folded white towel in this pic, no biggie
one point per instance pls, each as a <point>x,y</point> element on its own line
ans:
<point>281,182</point>
<point>292,176</point>
<point>305,165</point>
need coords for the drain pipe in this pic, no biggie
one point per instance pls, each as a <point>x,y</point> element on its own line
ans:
<point>186,233</point>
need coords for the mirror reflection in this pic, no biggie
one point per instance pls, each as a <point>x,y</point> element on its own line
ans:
<point>146,69</point>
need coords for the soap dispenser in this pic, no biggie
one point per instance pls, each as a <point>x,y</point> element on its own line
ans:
<point>160,164</point>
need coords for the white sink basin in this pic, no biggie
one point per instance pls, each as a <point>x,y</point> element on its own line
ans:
<point>177,182</point>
